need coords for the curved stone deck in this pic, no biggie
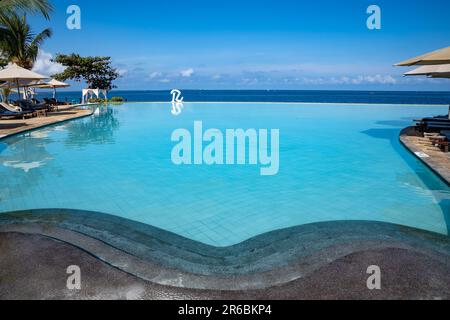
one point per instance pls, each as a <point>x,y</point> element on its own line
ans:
<point>261,266</point>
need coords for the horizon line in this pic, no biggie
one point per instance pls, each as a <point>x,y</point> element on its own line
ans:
<point>286,90</point>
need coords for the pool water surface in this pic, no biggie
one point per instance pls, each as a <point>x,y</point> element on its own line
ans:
<point>337,162</point>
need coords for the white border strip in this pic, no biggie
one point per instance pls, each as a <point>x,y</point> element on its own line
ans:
<point>289,103</point>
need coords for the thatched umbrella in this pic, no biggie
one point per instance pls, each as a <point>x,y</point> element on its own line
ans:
<point>52,84</point>
<point>441,56</point>
<point>15,74</point>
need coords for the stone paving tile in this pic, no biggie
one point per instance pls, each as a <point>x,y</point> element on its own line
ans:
<point>9,127</point>
<point>422,147</point>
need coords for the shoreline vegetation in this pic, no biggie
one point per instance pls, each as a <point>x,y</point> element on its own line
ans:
<point>278,96</point>
<point>111,100</point>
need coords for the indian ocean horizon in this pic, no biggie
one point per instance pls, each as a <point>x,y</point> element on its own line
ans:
<point>307,96</point>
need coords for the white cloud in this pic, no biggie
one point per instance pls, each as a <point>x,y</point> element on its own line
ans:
<point>45,66</point>
<point>155,74</point>
<point>122,72</point>
<point>375,79</point>
<point>249,81</point>
<point>351,80</point>
<point>164,80</point>
<point>187,73</point>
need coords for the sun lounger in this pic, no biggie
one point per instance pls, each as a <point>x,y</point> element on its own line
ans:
<point>444,134</point>
<point>438,118</point>
<point>9,107</point>
<point>442,141</point>
<point>433,125</point>
<point>27,106</point>
<point>430,134</point>
<point>4,113</point>
<point>437,138</point>
<point>53,103</point>
<point>444,145</point>
<point>436,123</point>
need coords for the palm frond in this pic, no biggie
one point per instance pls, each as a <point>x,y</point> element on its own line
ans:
<point>41,37</point>
<point>17,41</point>
<point>33,6</point>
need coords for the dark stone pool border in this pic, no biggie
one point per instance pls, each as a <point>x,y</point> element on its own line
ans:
<point>271,259</point>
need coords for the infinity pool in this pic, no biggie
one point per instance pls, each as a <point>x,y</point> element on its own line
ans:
<point>337,162</point>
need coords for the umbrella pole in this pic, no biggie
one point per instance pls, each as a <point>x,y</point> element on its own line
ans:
<point>18,88</point>
<point>54,93</point>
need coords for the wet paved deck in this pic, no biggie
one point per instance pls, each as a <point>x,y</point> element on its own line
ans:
<point>10,127</point>
<point>122,259</point>
<point>40,264</point>
<point>431,155</point>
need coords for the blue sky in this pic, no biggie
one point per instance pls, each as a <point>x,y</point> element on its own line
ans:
<point>272,44</point>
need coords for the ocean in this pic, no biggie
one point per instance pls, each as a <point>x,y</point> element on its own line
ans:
<point>308,96</point>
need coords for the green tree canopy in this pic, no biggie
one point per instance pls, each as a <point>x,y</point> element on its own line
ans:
<point>32,6</point>
<point>18,44</point>
<point>97,72</point>
<point>3,60</point>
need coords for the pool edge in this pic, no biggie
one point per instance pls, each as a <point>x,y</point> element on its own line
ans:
<point>45,125</point>
<point>271,259</point>
<point>442,173</point>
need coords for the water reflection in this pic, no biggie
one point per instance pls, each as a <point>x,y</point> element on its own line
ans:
<point>177,108</point>
<point>397,123</point>
<point>29,151</point>
<point>26,152</point>
<point>97,129</point>
<point>28,159</point>
<point>387,134</point>
<point>21,161</point>
<point>424,181</point>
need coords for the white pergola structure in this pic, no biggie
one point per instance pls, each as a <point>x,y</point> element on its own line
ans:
<point>89,94</point>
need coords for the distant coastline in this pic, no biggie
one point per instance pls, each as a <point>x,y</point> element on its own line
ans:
<point>294,96</point>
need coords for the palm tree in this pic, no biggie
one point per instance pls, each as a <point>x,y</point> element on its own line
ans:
<point>17,42</point>
<point>5,94</point>
<point>33,6</point>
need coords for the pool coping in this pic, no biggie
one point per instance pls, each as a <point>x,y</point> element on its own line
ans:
<point>293,103</point>
<point>436,166</point>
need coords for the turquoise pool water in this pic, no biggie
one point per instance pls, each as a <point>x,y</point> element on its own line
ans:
<point>337,162</point>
